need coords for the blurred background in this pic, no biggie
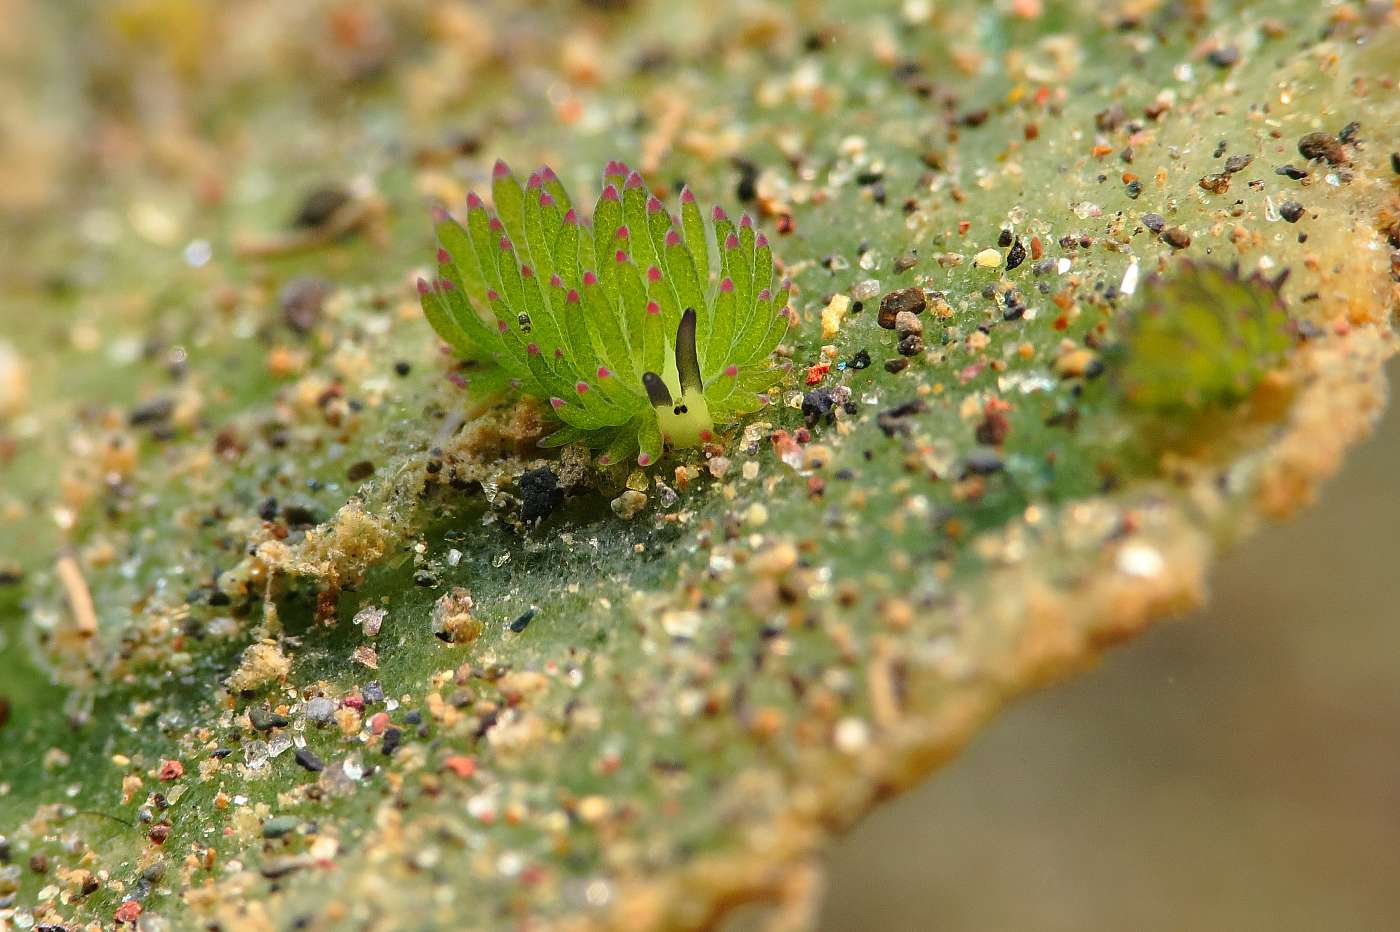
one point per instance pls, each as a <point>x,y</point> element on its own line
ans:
<point>1238,769</point>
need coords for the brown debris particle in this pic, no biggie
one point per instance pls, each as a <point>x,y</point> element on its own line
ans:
<point>1176,237</point>
<point>452,619</point>
<point>909,300</point>
<point>262,663</point>
<point>1323,146</point>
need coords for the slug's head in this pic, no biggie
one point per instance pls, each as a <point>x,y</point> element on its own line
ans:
<point>678,397</point>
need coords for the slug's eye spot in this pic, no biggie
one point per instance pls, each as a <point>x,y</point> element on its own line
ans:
<point>679,409</point>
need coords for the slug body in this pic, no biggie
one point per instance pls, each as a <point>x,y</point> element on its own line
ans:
<point>640,329</point>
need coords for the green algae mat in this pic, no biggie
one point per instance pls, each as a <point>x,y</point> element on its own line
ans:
<point>302,626</point>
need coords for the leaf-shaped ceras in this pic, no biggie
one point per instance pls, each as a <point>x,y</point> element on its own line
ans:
<point>640,328</point>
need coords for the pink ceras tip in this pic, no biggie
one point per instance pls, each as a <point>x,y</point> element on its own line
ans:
<point>474,201</point>
<point>623,232</point>
<point>555,281</point>
<point>526,272</point>
<point>496,225</point>
<point>444,256</point>
<point>644,460</point>
<point>731,242</point>
<point>440,214</point>
<point>504,243</point>
<point>445,285</point>
<point>571,297</point>
<point>719,213</point>
<point>532,348</point>
<point>423,287</point>
<point>653,204</point>
<point>491,295</point>
<point>765,295</point>
<point>634,180</point>
<point>500,169</point>
<point>653,308</point>
<point>610,193</point>
<point>727,285</point>
<point>687,196</point>
<point>546,199</point>
<point>673,238</point>
<point>731,370</point>
<point>760,241</point>
<point>570,217</point>
<point>621,257</point>
<point>581,387</point>
<point>533,181</point>
<point>589,279</point>
<point>548,173</point>
<point>604,372</point>
<point>557,403</point>
<point>653,274</point>
<point>745,221</point>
